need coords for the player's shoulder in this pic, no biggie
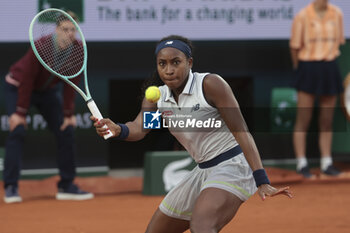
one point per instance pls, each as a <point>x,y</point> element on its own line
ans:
<point>212,78</point>
<point>335,8</point>
<point>200,77</point>
<point>214,82</point>
<point>47,38</point>
<point>303,12</point>
<point>78,43</point>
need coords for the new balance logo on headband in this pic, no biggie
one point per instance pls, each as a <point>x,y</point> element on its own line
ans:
<point>177,44</point>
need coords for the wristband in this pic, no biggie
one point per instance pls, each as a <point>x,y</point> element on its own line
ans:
<point>260,177</point>
<point>124,132</point>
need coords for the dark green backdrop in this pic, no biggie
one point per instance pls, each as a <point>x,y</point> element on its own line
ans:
<point>116,72</point>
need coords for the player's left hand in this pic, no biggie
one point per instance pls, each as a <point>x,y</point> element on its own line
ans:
<point>267,190</point>
<point>68,121</point>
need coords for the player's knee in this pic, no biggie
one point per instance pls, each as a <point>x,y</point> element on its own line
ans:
<point>198,228</point>
<point>326,128</point>
<point>65,136</point>
<point>203,226</point>
<point>326,125</point>
<point>68,132</point>
<point>302,125</point>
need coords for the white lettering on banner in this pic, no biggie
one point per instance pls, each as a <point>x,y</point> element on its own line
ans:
<point>172,174</point>
<point>83,121</point>
<point>37,121</point>
<point>4,123</point>
<point>192,123</point>
<point>28,120</point>
<point>133,20</point>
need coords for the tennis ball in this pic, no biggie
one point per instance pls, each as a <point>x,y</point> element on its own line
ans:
<point>152,94</point>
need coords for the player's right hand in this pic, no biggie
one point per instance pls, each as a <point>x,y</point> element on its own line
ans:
<point>101,130</point>
<point>268,190</point>
<point>68,121</point>
<point>16,120</point>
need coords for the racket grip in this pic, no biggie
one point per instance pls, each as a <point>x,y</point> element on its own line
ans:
<point>97,114</point>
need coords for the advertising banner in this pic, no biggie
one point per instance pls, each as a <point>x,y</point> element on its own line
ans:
<point>149,20</point>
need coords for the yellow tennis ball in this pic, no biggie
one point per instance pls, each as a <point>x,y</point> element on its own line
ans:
<point>152,94</point>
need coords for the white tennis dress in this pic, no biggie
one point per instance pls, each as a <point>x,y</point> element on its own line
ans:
<point>200,129</point>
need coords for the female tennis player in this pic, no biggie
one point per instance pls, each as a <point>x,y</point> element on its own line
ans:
<point>229,167</point>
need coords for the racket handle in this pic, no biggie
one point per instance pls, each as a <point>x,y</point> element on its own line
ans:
<point>97,114</point>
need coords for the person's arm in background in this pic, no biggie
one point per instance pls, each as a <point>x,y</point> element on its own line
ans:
<point>294,57</point>
<point>341,29</point>
<point>69,95</point>
<point>296,40</point>
<point>28,67</point>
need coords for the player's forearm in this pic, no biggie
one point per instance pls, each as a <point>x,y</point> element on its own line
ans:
<point>251,153</point>
<point>25,72</point>
<point>136,132</point>
<point>23,100</point>
<point>135,127</point>
<point>294,57</point>
<point>68,100</point>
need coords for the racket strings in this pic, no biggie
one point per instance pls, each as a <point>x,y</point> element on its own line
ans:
<point>58,43</point>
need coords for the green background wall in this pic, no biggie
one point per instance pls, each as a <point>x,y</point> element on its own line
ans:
<point>116,72</point>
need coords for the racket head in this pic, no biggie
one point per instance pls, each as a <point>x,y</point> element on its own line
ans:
<point>58,43</point>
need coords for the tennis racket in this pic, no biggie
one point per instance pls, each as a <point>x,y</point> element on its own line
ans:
<point>59,44</point>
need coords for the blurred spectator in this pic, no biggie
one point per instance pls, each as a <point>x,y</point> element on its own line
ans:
<point>317,33</point>
<point>28,84</point>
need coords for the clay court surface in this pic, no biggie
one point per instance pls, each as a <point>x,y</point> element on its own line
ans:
<point>321,205</point>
